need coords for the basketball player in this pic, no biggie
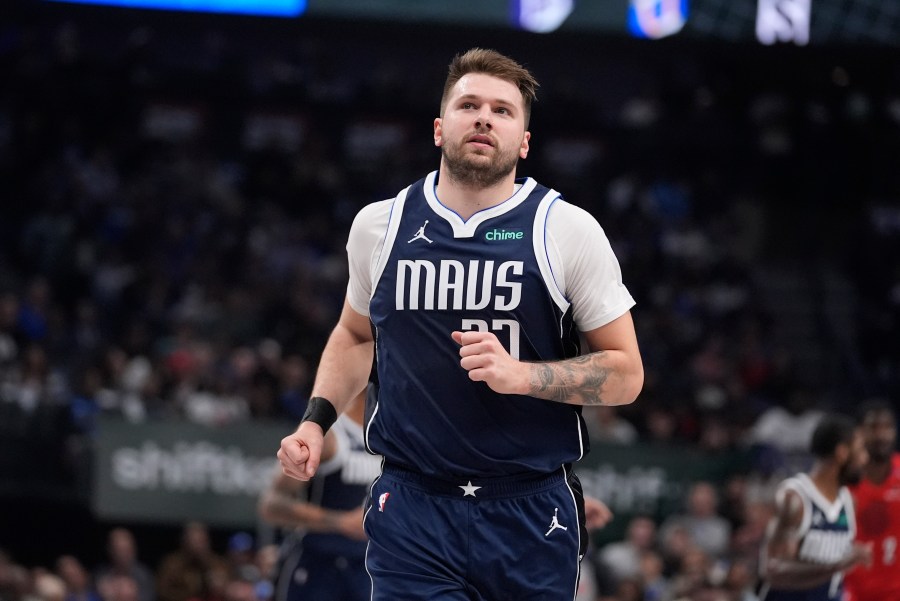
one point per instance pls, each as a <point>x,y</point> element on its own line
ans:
<point>471,290</point>
<point>323,557</point>
<point>809,543</point>
<point>877,499</point>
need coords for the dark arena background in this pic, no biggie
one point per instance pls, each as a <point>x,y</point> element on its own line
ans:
<point>176,188</point>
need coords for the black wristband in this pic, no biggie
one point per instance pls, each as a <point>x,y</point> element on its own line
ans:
<point>320,410</point>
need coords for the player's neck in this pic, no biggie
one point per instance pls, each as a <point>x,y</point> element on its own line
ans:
<point>877,471</point>
<point>466,200</point>
<point>825,477</point>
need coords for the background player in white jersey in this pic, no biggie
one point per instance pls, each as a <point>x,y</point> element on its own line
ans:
<point>471,291</point>
<point>323,554</point>
<point>809,543</point>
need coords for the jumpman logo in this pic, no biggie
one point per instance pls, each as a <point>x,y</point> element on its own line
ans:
<point>420,235</point>
<point>554,523</point>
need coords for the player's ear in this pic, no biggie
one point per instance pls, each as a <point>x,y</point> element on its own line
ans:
<point>523,149</point>
<point>438,132</point>
<point>842,453</point>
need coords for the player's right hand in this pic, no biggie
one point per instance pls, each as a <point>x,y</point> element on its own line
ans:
<point>301,451</point>
<point>596,513</point>
<point>350,524</point>
<point>860,553</point>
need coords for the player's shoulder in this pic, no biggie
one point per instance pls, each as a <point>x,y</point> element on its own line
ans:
<point>795,486</point>
<point>376,209</point>
<point>372,218</point>
<point>564,209</point>
<point>895,468</point>
<point>570,219</point>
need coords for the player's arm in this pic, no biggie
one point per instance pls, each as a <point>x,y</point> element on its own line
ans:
<point>280,504</point>
<point>612,374</point>
<point>596,513</point>
<point>346,361</point>
<point>342,374</point>
<point>587,273</point>
<point>782,566</point>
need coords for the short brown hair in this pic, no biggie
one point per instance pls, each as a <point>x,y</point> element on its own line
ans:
<point>491,62</point>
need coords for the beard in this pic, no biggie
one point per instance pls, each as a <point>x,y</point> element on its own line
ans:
<point>849,476</point>
<point>880,452</point>
<point>478,171</point>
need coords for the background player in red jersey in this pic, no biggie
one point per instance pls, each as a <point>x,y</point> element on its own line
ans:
<point>877,500</point>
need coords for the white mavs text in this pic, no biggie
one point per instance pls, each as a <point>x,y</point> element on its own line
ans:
<point>452,284</point>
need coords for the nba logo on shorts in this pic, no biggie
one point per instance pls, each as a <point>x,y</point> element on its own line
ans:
<point>382,500</point>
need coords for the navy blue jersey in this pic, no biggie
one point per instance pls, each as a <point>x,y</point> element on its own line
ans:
<point>489,273</point>
<point>826,535</point>
<point>342,483</point>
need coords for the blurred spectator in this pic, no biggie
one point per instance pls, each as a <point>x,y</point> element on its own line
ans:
<point>748,537</point>
<point>240,590</point>
<point>661,425</point>
<point>605,425</point>
<point>295,386</point>
<point>266,560</point>
<point>706,528</point>
<point>118,587</point>
<point>656,585</point>
<point>788,428</point>
<point>9,345</point>
<point>122,560</point>
<point>629,589</point>
<point>623,559</point>
<point>20,585</point>
<point>79,585</point>
<point>740,580</point>
<point>214,584</point>
<point>676,543</point>
<point>692,575</point>
<point>194,571</point>
<point>241,557</point>
<point>49,587</point>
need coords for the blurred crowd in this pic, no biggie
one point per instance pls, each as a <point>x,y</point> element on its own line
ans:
<point>193,571</point>
<point>685,558</point>
<point>176,198</point>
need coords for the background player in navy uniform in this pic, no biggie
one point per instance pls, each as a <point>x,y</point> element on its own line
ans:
<point>810,544</point>
<point>472,292</point>
<point>323,555</point>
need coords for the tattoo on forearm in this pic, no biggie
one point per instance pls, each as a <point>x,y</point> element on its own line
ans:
<point>578,381</point>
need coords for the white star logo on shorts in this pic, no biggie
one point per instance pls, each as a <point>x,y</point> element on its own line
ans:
<point>469,490</point>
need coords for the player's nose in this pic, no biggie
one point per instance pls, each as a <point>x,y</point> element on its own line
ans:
<point>483,119</point>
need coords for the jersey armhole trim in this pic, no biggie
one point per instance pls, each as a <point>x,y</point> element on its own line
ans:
<point>796,486</point>
<point>539,236</point>
<point>390,237</point>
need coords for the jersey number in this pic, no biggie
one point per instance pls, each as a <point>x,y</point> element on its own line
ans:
<point>888,550</point>
<point>497,326</point>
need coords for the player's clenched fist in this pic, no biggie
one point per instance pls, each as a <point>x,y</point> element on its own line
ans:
<point>301,452</point>
<point>487,361</point>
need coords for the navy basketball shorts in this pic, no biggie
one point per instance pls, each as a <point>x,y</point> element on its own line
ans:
<point>490,540</point>
<point>305,575</point>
